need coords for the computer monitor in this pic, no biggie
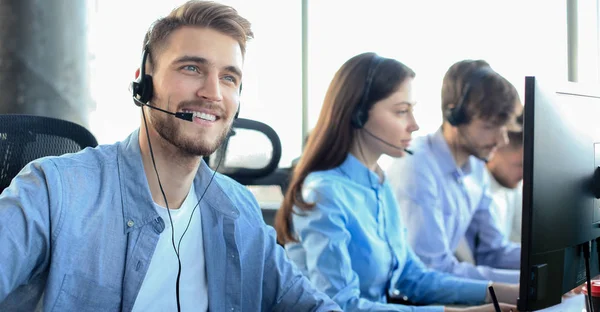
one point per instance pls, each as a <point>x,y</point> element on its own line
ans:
<point>560,213</point>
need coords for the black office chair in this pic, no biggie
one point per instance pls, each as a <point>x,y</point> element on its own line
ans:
<point>24,138</point>
<point>269,174</point>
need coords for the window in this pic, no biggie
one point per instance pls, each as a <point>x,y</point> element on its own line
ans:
<point>584,29</point>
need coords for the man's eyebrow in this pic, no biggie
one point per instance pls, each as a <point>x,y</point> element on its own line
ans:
<point>234,70</point>
<point>194,59</point>
<point>200,60</point>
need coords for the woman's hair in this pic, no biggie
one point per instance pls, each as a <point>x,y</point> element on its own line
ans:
<point>330,141</point>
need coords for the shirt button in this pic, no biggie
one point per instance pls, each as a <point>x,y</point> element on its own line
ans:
<point>130,223</point>
<point>158,226</point>
<point>395,292</point>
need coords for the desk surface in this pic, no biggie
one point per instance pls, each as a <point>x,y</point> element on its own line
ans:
<point>570,304</point>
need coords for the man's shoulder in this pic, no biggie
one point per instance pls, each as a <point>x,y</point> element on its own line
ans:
<point>90,157</point>
<point>83,163</point>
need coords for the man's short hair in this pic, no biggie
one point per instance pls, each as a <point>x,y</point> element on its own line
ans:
<point>491,98</point>
<point>208,14</point>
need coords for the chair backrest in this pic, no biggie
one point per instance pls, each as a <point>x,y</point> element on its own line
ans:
<point>24,138</point>
<point>265,175</point>
<point>268,175</point>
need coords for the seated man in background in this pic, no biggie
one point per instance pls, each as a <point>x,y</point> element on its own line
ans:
<point>443,189</point>
<point>506,175</point>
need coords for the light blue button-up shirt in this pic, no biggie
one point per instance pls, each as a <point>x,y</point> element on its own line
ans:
<point>352,246</point>
<point>442,203</point>
<point>82,229</point>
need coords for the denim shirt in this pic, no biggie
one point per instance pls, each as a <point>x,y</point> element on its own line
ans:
<point>81,229</point>
<point>442,204</point>
<point>352,245</point>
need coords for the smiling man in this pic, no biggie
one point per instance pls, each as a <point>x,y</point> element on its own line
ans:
<point>443,189</point>
<point>145,224</point>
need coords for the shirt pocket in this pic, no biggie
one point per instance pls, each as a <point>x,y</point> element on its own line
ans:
<point>79,293</point>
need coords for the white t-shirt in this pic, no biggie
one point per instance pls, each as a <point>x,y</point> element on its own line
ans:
<point>158,288</point>
<point>508,204</point>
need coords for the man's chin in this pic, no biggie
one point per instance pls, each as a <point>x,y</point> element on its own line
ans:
<point>487,153</point>
<point>511,186</point>
<point>200,149</point>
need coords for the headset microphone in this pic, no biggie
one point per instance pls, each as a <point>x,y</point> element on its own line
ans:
<point>387,143</point>
<point>180,115</point>
<point>143,90</point>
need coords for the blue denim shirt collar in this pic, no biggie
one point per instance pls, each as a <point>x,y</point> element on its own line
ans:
<point>359,173</point>
<point>138,205</point>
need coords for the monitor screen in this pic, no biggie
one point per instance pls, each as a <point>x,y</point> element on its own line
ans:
<point>560,213</point>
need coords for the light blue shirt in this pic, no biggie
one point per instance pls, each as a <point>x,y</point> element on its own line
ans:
<point>82,229</point>
<point>353,247</point>
<point>442,203</point>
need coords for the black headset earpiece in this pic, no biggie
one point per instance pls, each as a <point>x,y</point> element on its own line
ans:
<point>237,113</point>
<point>142,87</point>
<point>361,112</point>
<point>457,115</point>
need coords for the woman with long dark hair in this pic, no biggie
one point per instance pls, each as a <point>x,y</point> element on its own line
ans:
<point>339,220</point>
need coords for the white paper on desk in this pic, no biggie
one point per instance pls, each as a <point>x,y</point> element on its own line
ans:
<point>571,304</point>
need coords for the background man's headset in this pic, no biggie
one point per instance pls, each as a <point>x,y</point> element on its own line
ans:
<point>361,112</point>
<point>143,90</point>
<point>457,115</point>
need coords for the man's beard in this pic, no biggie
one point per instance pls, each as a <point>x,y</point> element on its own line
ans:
<point>504,182</point>
<point>481,153</point>
<point>167,128</point>
<point>478,152</point>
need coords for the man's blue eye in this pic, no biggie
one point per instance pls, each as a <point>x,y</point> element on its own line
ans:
<point>191,68</point>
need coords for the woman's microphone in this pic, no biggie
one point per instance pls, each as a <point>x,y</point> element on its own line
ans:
<point>387,143</point>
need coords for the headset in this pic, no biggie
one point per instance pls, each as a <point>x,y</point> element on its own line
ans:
<point>457,115</point>
<point>361,112</point>
<point>360,115</point>
<point>143,91</point>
